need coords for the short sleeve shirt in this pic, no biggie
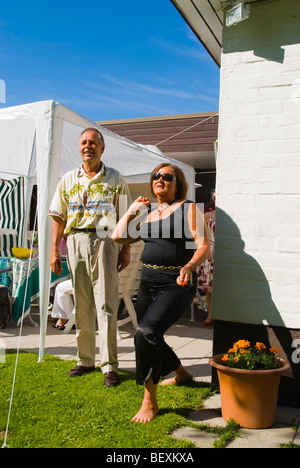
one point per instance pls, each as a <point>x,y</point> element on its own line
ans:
<point>83,202</point>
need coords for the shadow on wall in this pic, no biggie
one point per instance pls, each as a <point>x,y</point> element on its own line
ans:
<point>260,34</point>
<point>243,305</point>
<point>241,289</point>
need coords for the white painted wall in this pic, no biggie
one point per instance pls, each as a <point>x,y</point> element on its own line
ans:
<point>257,257</point>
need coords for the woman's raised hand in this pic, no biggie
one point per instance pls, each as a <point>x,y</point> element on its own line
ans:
<point>139,204</point>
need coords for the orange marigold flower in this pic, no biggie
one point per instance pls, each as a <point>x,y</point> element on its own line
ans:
<point>274,350</point>
<point>260,346</point>
<point>244,351</point>
<point>232,350</point>
<point>236,359</point>
<point>225,357</point>
<point>242,344</point>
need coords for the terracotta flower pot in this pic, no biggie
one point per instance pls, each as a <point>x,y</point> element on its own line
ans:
<point>249,396</point>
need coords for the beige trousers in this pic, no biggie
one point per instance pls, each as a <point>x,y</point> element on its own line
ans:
<point>93,269</point>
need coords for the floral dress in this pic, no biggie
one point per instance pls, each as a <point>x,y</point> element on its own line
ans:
<point>206,270</point>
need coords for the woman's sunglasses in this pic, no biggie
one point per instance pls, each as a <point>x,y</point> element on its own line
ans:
<point>166,177</point>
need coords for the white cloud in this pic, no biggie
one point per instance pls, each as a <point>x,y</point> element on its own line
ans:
<point>145,88</point>
<point>195,51</point>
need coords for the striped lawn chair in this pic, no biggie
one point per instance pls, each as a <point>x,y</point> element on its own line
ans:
<point>12,212</point>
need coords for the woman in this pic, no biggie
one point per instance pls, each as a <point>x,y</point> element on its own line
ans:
<point>206,271</point>
<point>176,242</point>
<point>63,304</point>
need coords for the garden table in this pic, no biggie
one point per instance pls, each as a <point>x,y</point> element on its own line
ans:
<point>15,281</point>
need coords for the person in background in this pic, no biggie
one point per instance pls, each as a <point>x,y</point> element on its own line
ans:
<point>176,242</point>
<point>63,304</point>
<point>85,204</point>
<point>206,270</point>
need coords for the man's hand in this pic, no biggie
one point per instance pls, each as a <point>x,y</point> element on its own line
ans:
<point>57,233</point>
<point>55,262</point>
<point>124,258</point>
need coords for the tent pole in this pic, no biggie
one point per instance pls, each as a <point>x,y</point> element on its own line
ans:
<point>49,143</point>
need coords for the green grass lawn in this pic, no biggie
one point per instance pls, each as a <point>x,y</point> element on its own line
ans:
<point>51,410</point>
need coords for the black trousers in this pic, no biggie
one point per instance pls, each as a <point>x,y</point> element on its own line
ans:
<point>158,307</point>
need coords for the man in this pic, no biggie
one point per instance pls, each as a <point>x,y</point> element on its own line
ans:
<point>85,207</point>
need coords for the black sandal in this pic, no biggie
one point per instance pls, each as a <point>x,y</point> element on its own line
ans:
<point>58,327</point>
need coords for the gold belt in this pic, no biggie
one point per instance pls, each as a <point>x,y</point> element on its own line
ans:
<point>163,267</point>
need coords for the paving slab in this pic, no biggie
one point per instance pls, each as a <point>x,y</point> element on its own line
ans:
<point>264,438</point>
<point>200,438</point>
<point>296,439</point>
<point>280,433</point>
<point>208,417</point>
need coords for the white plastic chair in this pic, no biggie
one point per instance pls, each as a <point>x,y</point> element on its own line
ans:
<point>129,280</point>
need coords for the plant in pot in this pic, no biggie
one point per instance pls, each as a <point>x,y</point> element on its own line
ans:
<point>249,377</point>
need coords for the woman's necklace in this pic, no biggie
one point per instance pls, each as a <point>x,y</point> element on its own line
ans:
<point>163,207</point>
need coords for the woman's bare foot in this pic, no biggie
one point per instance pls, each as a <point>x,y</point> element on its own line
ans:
<point>182,376</point>
<point>171,381</point>
<point>146,414</point>
<point>176,381</point>
<point>149,408</point>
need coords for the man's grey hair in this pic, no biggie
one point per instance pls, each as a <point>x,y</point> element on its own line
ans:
<point>101,138</point>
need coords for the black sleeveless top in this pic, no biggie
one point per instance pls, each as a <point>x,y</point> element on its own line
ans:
<point>168,242</point>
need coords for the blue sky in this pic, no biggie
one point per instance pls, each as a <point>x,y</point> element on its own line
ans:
<point>105,60</point>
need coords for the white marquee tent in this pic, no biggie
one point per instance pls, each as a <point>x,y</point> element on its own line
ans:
<point>39,141</point>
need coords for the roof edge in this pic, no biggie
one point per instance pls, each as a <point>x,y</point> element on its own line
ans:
<point>186,19</point>
<point>158,118</point>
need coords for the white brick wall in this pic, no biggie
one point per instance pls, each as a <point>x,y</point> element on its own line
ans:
<point>257,268</point>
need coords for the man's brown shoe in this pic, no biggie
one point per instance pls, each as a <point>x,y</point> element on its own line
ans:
<point>111,379</point>
<point>80,370</point>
